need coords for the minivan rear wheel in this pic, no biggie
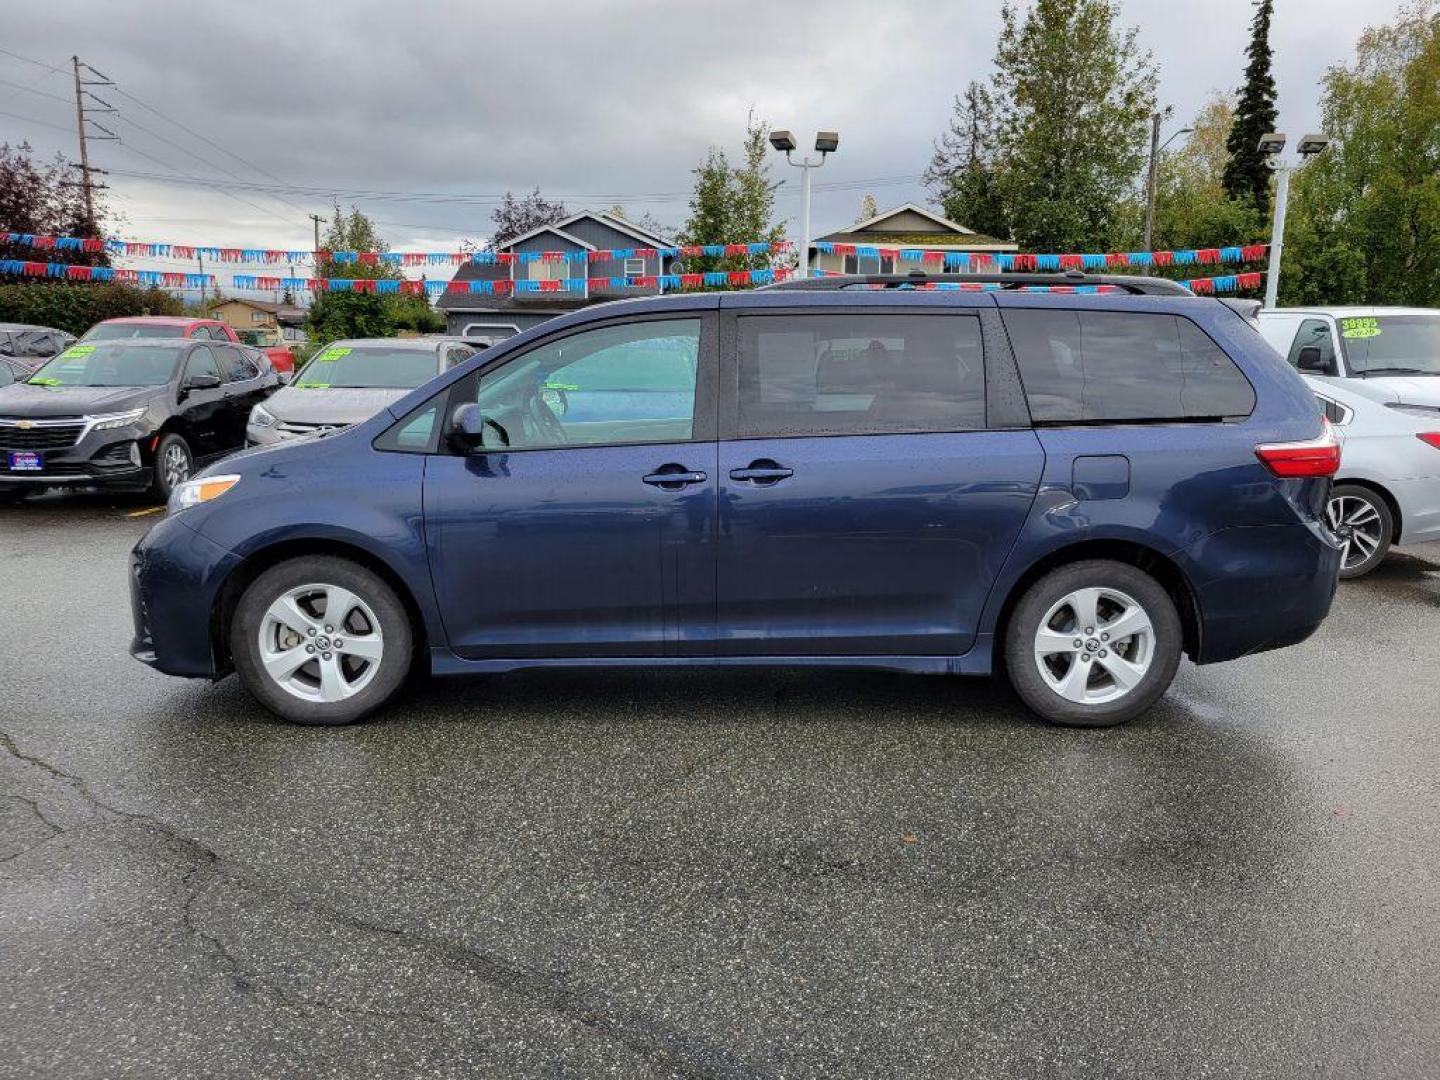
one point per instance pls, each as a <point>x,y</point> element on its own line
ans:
<point>1093,644</point>
<point>321,640</point>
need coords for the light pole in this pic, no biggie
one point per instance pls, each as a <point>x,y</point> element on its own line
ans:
<point>1271,146</point>
<point>826,142</point>
<point>1156,146</point>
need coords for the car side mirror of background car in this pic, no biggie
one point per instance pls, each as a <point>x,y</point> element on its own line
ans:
<point>1310,360</point>
<point>467,430</point>
<point>202,382</point>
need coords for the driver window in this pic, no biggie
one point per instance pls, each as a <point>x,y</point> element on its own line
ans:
<point>201,362</point>
<point>1314,332</point>
<point>614,385</point>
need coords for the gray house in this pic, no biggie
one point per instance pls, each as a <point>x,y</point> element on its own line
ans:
<point>577,248</point>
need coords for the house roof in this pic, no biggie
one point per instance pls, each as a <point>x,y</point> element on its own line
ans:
<point>619,224</point>
<point>554,228</point>
<point>261,305</point>
<point>946,225</point>
<point>970,241</point>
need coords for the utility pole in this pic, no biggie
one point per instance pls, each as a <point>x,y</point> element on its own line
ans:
<point>87,183</point>
<point>1150,178</point>
<point>316,219</point>
<point>201,260</point>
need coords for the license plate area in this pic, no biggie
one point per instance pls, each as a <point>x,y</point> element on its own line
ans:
<point>26,461</point>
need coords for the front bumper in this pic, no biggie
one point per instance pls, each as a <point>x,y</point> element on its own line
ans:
<point>114,457</point>
<point>175,579</point>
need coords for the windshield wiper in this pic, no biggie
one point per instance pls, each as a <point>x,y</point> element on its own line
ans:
<point>1395,371</point>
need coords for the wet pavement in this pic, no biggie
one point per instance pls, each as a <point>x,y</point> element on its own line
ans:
<point>740,874</point>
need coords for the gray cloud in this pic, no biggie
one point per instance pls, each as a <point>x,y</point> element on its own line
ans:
<point>587,101</point>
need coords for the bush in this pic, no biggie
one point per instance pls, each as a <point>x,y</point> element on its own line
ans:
<point>75,307</point>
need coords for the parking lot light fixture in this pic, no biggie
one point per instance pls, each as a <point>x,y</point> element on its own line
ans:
<point>1272,145</point>
<point>826,143</point>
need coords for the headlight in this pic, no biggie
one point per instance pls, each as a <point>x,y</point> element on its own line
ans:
<point>115,420</point>
<point>202,490</point>
<point>261,418</point>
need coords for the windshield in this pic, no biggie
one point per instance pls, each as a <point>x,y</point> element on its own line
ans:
<point>355,366</point>
<point>1392,344</point>
<point>110,365</point>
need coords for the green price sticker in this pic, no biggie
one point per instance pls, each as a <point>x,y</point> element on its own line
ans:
<point>561,386</point>
<point>1366,327</point>
<point>76,351</point>
<point>44,381</point>
<point>329,356</point>
<point>308,385</point>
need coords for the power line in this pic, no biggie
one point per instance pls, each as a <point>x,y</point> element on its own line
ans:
<point>32,120</point>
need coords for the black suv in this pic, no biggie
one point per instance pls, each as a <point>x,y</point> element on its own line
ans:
<point>134,414</point>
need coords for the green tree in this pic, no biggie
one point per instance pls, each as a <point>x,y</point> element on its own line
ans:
<point>734,204</point>
<point>1192,207</point>
<point>337,314</point>
<point>1246,175</point>
<point>963,170</point>
<point>868,208</point>
<point>75,307</point>
<point>1364,223</point>
<point>353,232</point>
<point>42,199</point>
<point>1060,132</point>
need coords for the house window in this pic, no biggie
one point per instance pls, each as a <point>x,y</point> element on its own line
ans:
<point>634,267</point>
<point>257,316</point>
<point>548,270</point>
<point>869,264</point>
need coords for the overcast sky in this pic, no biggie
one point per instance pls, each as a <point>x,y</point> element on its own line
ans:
<point>595,103</point>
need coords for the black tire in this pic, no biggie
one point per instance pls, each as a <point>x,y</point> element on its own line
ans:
<point>394,631</point>
<point>1361,519</point>
<point>161,485</point>
<point>1092,658</point>
<point>11,494</point>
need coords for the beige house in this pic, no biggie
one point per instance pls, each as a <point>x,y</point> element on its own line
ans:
<point>875,246</point>
<point>279,321</point>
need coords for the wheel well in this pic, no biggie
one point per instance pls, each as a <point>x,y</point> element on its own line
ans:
<point>258,562</point>
<point>1162,569</point>
<point>1370,485</point>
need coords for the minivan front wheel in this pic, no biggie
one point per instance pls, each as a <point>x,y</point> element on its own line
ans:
<point>1093,644</point>
<point>321,640</point>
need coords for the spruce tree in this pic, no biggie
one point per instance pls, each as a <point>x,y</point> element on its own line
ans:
<point>1246,176</point>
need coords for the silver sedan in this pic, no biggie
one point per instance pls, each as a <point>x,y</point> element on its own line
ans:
<point>1388,488</point>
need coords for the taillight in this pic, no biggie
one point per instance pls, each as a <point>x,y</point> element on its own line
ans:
<point>1431,438</point>
<point>1314,457</point>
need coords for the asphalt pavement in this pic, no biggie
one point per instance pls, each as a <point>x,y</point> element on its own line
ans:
<point>737,874</point>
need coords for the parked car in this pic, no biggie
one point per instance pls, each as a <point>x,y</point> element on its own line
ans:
<point>1071,489</point>
<point>160,326</point>
<point>270,341</point>
<point>25,346</point>
<point>1387,490</point>
<point>349,381</point>
<point>1390,355</point>
<point>132,414</point>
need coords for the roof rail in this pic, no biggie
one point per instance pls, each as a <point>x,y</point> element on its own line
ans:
<point>918,279</point>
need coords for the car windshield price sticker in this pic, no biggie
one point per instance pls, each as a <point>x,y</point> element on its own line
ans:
<point>77,351</point>
<point>329,356</point>
<point>1360,327</point>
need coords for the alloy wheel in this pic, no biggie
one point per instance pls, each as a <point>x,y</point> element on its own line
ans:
<point>1359,526</point>
<point>175,466</point>
<point>1094,645</point>
<point>321,643</point>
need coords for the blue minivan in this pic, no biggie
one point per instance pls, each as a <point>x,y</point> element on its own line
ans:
<point>937,476</point>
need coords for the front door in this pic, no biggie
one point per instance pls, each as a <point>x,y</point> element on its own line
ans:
<point>585,527</point>
<point>204,410</point>
<point>865,510</point>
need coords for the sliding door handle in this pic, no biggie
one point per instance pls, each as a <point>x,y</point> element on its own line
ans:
<point>674,477</point>
<point>762,473</point>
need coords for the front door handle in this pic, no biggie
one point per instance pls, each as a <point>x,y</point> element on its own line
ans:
<point>674,477</point>
<point>762,473</point>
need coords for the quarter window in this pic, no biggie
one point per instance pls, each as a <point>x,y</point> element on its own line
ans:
<point>1088,366</point>
<point>859,374</point>
<point>202,362</point>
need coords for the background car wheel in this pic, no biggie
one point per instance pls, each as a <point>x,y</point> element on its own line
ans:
<point>1093,644</point>
<point>174,464</point>
<point>1363,521</point>
<point>321,640</point>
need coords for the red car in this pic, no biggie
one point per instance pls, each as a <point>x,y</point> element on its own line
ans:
<point>150,326</point>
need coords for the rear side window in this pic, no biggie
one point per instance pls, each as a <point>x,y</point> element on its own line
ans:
<point>829,374</point>
<point>1118,366</point>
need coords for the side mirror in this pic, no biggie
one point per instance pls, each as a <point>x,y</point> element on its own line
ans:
<point>1310,360</point>
<point>202,382</point>
<point>467,430</point>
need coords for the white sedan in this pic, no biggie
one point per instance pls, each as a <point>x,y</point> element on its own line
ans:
<point>1388,487</point>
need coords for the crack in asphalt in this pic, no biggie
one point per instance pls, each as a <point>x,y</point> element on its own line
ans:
<point>690,1056</point>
